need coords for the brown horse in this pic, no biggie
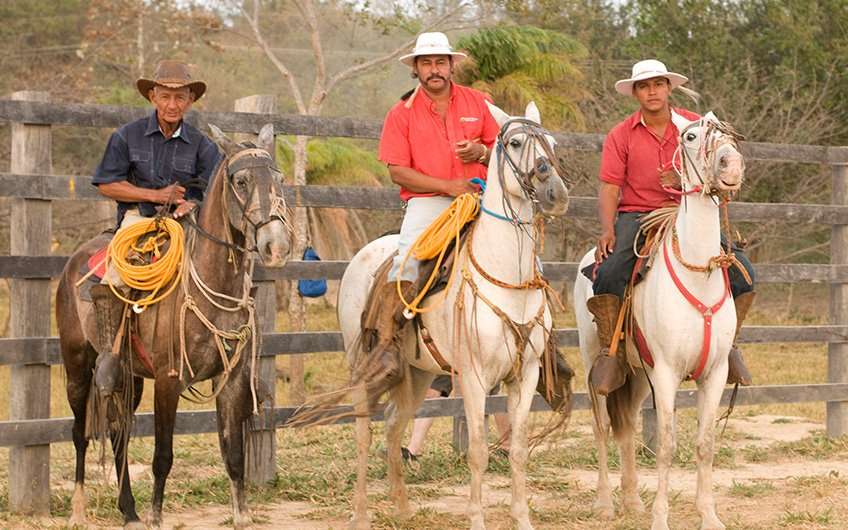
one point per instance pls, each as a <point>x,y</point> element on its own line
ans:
<point>241,214</point>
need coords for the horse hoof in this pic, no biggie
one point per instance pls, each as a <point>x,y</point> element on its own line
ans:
<point>243,522</point>
<point>659,525</point>
<point>359,524</point>
<point>524,525</point>
<point>77,521</point>
<point>604,510</point>
<point>136,525</point>
<point>634,504</point>
<point>478,524</point>
<point>712,524</point>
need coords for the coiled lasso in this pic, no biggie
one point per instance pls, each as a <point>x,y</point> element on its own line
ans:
<point>434,242</point>
<point>157,278</point>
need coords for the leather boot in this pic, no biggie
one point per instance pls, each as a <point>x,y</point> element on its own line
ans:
<point>561,384</point>
<point>383,370</point>
<point>108,311</point>
<point>737,372</point>
<point>607,373</point>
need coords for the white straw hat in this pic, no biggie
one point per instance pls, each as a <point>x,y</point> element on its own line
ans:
<point>434,43</point>
<point>648,69</point>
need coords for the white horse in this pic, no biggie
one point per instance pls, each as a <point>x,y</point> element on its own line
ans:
<point>502,331</point>
<point>673,327</point>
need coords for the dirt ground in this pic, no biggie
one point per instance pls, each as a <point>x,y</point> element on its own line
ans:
<point>781,473</point>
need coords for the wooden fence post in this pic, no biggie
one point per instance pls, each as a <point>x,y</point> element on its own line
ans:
<point>261,442</point>
<point>837,352</point>
<point>30,227</point>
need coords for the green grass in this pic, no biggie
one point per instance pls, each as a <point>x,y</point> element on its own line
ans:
<point>751,489</point>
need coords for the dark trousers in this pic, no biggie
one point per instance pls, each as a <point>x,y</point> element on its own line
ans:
<point>613,274</point>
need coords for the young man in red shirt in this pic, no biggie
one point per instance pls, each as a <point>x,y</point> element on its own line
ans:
<point>434,141</point>
<point>632,181</point>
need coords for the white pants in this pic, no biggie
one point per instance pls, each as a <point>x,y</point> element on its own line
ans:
<point>420,213</point>
<point>131,217</point>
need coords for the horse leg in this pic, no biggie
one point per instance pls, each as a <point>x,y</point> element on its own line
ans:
<point>601,427</point>
<point>474,398</point>
<point>233,407</point>
<point>665,387</point>
<point>77,388</point>
<point>520,396</point>
<point>166,398</point>
<point>126,501</point>
<point>360,520</point>
<point>404,400</point>
<point>709,397</point>
<point>627,445</point>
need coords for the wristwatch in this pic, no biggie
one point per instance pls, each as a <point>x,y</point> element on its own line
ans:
<point>485,153</point>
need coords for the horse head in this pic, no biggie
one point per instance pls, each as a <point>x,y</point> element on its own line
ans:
<point>526,161</point>
<point>253,196</point>
<point>709,156</point>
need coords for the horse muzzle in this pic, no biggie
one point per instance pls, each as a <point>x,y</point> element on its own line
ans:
<point>273,242</point>
<point>730,168</point>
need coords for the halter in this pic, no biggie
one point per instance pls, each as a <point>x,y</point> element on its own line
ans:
<point>716,135</point>
<point>543,167</point>
<point>263,166</point>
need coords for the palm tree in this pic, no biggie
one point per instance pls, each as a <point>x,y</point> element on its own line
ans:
<point>519,64</point>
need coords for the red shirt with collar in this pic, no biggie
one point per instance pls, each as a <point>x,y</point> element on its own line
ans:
<point>632,159</point>
<point>418,138</point>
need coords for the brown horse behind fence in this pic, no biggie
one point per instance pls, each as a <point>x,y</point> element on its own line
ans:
<point>203,330</point>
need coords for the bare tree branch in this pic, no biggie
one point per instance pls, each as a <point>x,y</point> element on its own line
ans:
<point>361,68</point>
<point>253,21</point>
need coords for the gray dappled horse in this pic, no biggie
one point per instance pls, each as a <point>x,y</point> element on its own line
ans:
<point>242,213</point>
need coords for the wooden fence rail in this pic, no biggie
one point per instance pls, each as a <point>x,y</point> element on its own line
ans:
<point>30,351</point>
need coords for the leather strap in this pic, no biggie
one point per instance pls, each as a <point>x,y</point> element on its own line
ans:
<point>706,311</point>
<point>431,347</point>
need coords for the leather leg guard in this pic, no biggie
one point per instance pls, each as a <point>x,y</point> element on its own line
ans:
<point>560,385</point>
<point>108,311</point>
<point>737,372</point>
<point>607,373</point>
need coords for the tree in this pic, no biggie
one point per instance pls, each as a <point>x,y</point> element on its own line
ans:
<point>519,64</point>
<point>310,96</point>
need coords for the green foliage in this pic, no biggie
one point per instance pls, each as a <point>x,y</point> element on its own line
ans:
<point>335,161</point>
<point>519,64</point>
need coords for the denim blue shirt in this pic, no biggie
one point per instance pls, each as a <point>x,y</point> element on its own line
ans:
<point>140,154</point>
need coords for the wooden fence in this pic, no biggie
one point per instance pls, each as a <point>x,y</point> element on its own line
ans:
<point>31,351</point>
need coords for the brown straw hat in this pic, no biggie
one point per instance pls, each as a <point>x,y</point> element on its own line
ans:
<point>171,74</point>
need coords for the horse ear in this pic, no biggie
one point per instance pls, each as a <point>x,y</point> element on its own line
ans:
<point>266,138</point>
<point>710,116</point>
<point>532,113</point>
<point>228,146</point>
<point>679,121</point>
<point>499,115</point>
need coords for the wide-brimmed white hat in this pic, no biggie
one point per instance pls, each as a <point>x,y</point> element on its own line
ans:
<point>648,69</point>
<point>433,43</point>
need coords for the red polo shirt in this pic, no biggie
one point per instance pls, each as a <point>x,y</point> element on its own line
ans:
<point>418,138</point>
<point>632,158</point>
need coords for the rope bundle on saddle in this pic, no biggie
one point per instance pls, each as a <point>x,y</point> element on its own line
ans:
<point>434,242</point>
<point>139,257</point>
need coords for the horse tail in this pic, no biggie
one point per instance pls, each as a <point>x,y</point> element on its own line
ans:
<point>327,408</point>
<point>620,406</point>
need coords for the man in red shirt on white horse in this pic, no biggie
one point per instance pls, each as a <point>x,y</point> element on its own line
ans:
<point>636,166</point>
<point>436,139</point>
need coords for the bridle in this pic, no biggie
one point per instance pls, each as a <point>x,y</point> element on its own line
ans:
<point>544,167</point>
<point>716,135</point>
<point>271,208</point>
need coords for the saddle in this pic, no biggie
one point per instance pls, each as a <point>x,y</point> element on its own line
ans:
<point>372,304</point>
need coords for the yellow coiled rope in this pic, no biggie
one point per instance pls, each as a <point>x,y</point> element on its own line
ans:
<point>434,242</point>
<point>157,278</point>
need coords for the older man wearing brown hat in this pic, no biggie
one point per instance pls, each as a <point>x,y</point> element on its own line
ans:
<point>153,161</point>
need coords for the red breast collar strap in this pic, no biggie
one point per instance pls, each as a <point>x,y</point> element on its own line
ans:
<point>706,312</point>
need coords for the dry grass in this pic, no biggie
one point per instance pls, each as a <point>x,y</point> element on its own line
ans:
<point>315,466</point>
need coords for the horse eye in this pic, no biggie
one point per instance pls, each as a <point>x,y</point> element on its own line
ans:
<point>690,137</point>
<point>515,142</point>
<point>241,183</point>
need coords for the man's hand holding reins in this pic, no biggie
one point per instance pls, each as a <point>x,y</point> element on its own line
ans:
<point>184,209</point>
<point>169,194</point>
